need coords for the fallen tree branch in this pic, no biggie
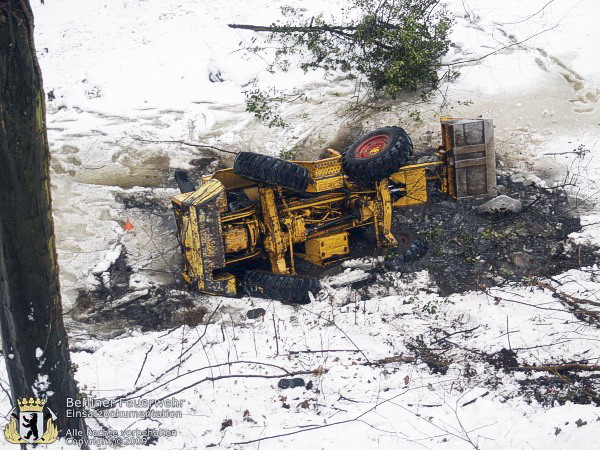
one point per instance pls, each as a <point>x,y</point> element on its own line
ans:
<point>191,144</point>
<point>391,360</point>
<point>291,29</point>
<point>408,359</point>
<point>556,368</point>
<point>573,304</point>
<point>333,29</point>
<point>566,311</point>
<point>564,296</point>
<point>297,352</point>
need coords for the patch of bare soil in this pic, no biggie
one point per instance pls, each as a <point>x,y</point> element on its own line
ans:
<point>471,250</point>
<point>115,307</point>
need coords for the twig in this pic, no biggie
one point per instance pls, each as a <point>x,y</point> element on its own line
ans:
<point>470,402</point>
<point>559,153</point>
<point>276,337</point>
<point>297,352</point>
<point>529,16</point>
<point>316,427</point>
<point>209,367</point>
<point>143,364</point>
<point>10,400</point>
<point>160,252</point>
<point>466,433</point>
<point>508,334</point>
<point>452,334</point>
<point>332,322</point>
<point>176,365</point>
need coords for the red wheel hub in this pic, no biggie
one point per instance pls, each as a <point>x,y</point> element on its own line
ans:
<point>372,146</point>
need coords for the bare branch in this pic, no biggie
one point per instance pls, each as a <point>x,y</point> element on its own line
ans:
<point>143,364</point>
<point>529,16</point>
<point>191,144</point>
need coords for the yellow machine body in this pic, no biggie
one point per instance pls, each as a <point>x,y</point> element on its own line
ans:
<point>322,249</point>
<point>279,225</point>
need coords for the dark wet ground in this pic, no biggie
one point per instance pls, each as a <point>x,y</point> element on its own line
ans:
<point>116,306</point>
<point>469,250</point>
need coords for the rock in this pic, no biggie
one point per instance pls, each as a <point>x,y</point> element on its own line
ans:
<point>127,299</point>
<point>290,383</point>
<point>502,203</point>
<point>256,313</point>
<point>517,178</point>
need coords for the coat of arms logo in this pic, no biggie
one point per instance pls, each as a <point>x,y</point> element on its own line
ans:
<point>31,424</point>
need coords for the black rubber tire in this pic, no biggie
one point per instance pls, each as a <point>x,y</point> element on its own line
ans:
<point>410,250</point>
<point>271,170</point>
<point>285,288</point>
<point>366,171</point>
<point>183,181</point>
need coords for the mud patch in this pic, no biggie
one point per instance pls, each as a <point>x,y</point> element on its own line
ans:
<point>158,308</point>
<point>130,167</point>
<point>120,303</point>
<point>146,201</point>
<point>550,390</point>
<point>469,250</point>
<point>555,387</point>
<point>152,209</point>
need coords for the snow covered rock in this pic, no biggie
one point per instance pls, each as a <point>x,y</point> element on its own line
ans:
<point>502,203</point>
<point>109,259</point>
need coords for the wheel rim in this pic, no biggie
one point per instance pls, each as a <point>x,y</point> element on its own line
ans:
<point>372,146</point>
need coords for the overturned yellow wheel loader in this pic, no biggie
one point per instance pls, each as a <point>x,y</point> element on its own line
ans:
<point>248,228</point>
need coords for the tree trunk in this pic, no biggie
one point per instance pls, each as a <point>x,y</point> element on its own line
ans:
<point>34,340</point>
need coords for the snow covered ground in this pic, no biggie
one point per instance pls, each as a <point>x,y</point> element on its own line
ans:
<point>407,368</point>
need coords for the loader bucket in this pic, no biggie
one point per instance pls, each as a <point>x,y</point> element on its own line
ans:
<point>471,159</point>
<point>200,236</point>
